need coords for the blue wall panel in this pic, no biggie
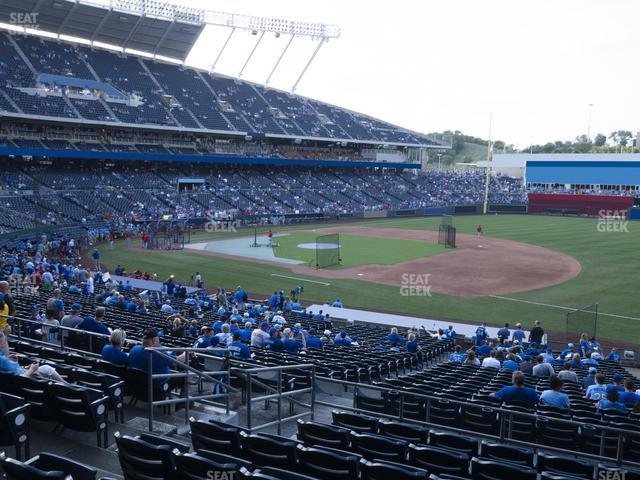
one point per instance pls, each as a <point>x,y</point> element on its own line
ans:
<point>592,173</point>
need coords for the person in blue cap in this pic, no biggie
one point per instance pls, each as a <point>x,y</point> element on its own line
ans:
<point>313,341</point>
<point>260,336</point>
<point>342,339</point>
<point>612,400</point>
<point>237,349</point>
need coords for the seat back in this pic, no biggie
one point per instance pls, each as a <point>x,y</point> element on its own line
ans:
<point>493,470</point>
<point>215,437</point>
<point>564,465</point>
<point>379,447</point>
<point>141,460</point>
<point>263,450</point>
<point>190,466</point>
<point>356,422</point>
<point>16,470</point>
<point>439,460</point>
<point>404,431</point>
<point>455,442</point>
<point>315,434</point>
<point>381,470</point>
<point>327,463</point>
<point>507,453</point>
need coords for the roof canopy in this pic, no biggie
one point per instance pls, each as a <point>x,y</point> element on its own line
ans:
<point>150,26</point>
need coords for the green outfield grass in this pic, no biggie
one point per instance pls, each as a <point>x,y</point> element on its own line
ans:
<point>610,269</point>
<point>357,249</point>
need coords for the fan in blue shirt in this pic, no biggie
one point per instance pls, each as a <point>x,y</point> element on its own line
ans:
<point>138,357</point>
<point>554,397</point>
<point>481,334</point>
<point>394,337</point>
<point>457,355</point>
<point>517,392</point>
<point>112,352</point>
<point>90,324</point>
<point>238,349</point>
<point>612,400</point>
<point>629,397</point>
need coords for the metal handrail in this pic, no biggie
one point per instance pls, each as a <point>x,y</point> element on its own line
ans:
<point>190,372</point>
<point>278,394</point>
<point>503,414</point>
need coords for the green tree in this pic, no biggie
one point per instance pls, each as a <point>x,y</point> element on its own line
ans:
<point>621,137</point>
<point>600,140</point>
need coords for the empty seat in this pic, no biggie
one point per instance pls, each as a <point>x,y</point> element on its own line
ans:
<point>455,442</point>
<point>356,422</point>
<point>379,447</point>
<point>46,466</point>
<point>191,466</point>
<point>507,453</point>
<point>439,460</point>
<point>215,436</point>
<point>315,434</point>
<point>404,431</point>
<point>263,450</point>
<point>15,424</point>
<point>142,460</point>
<point>565,466</point>
<point>493,470</point>
<point>328,463</point>
<point>224,458</point>
<point>381,470</point>
<point>282,474</point>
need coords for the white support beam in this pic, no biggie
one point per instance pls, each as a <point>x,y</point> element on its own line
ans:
<point>125,44</point>
<point>306,67</point>
<point>224,46</point>
<point>99,27</point>
<point>255,47</point>
<point>163,38</point>
<point>279,59</point>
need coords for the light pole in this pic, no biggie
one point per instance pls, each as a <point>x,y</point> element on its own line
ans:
<point>589,121</point>
<point>439,158</point>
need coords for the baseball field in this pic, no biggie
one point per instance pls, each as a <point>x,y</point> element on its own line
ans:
<point>522,269</point>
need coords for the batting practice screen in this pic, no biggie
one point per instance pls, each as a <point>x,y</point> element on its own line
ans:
<point>583,320</point>
<point>328,250</point>
<point>447,236</point>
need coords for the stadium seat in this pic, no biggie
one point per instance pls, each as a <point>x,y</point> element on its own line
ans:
<point>356,422</point>
<point>262,450</point>
<point>320,434</point>
<point>565,466</point>
<point>454,442</point>
<point>328,463</point>
<point>404,431</point>
<point>507,453</point>
<point>215,436</point>
<point>81,409</point>
<point>381,470</point>
<point>46,466</point>
<point>15,424</point>
<point>494,470</point>
<point>379,447</point>
<point>217,457</point>
<point>141,460</point>
<point>439,460</point>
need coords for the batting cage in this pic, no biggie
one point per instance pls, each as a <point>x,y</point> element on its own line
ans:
<point>328,250</point>
<point>582,320</point>
<point>447,236</point>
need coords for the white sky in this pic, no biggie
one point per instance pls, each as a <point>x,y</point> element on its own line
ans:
<point>436,65</point>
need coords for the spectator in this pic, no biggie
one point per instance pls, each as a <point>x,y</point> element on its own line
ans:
<point>554,397</point>
<point>112,352</point>
<point>204,340</point>
<point>260,338</point>
<point>450,333</point>
<point>518,334</point>
<point>293,341</point>
<point>316,343</point>
<point>337,303</point>
<point>611,400</point>
<point>8,298</point>
<point>457,355</point>
<point>510,363</point>
<point>394,337</point>
<point>616,381</point>
<point>49,329</point>
<point>237,349</point>
<point>542,368</point>
<point>491,361</point>
<point>138,358</point>
<point>224,337</point>
<point>412,345</point>
<point>517,392</point>
<point>342,339</point>
<point>503,333</point>
<point>72,320</point>
<point>526,366</point>
<point>598,390</point>
<point>590,378</point>
<point>536,334</point>
<point>8,364</point>
<point>568,375</point>
<point>95,325</point>
<point>471,359</point>
<point>4,316</point>
<point>166,307</point>
<point>481,334</point>
<point>614,355</point>
<point>629,397</point>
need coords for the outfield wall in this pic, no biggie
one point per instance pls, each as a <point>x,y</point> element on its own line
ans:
<point>577,204</point>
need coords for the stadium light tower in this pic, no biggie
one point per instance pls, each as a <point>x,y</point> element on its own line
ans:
<point>589,121</point>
